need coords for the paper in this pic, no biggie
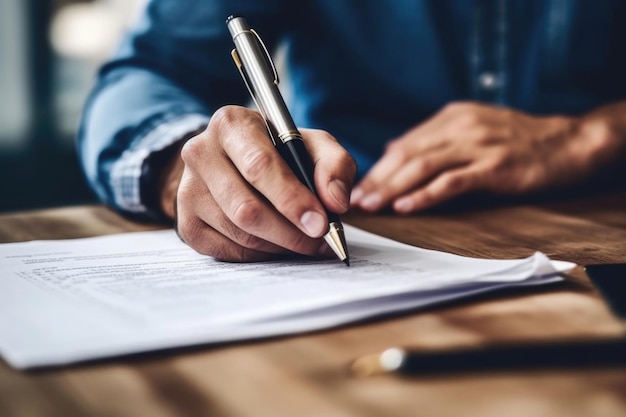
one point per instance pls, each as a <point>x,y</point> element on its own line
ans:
<point>65,301</point>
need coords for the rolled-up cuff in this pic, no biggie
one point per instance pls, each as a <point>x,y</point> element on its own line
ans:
<point>130,174</point>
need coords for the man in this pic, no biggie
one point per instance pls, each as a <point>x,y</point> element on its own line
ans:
<point>433,99</point>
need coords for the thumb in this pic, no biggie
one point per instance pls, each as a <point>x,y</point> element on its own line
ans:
<point>335,169</point>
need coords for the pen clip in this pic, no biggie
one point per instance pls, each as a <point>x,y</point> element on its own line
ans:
<point>244,76</point>
<point>267,55</point>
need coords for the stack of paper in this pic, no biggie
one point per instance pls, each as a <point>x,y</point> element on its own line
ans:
<point>65,301</point>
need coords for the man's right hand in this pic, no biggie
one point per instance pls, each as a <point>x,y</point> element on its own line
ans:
<point>234,198</point>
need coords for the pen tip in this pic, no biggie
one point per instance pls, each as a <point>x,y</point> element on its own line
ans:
<point>337,242</point>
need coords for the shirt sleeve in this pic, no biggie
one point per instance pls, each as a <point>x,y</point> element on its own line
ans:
<point>135,174</point>
<point>171,72</point>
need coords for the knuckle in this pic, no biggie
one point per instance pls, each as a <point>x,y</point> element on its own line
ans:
<point>230,116</point>
<point>251,241</point>
<point>602,138</point>
<point>468,120</point>
<point>397,151</point>
<point>227,253</point>
<point>348,162</point>
<point>190,231</point>
<point>422,167</point>
<point>229,122</point>
<point>324,135</point>
<point>481,134</point>
<point>243,238</point>
<point>256,164</point>
<point>454,183</point>
<point>300,243</point>
<point>191,150</point>
<point>247,213</point>
<point>224,118</point>
<point>456,107</point>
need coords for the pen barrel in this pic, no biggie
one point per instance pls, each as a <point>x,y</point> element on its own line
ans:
<point>295,154</point>
<point>260,75</point>
<point>297,157</point>
<point>548,355</point>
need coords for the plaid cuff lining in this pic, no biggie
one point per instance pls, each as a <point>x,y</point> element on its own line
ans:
<point>126,171</point>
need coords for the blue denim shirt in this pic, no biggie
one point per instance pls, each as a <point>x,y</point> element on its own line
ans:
<point>365,70</point>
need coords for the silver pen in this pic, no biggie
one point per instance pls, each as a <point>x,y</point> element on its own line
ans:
<point>259,74</point>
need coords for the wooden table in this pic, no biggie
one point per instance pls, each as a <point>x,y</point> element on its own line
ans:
<point>306,375</point>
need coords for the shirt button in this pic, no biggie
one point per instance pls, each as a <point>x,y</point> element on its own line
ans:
<point>488,81</point>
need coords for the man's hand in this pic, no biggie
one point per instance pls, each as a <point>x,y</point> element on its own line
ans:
<point>470,147</point>
<point>234,198</point>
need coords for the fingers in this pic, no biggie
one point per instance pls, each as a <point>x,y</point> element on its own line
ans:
<point>379,192</point>
<point>207,241</point>
<point>256,160</point>
<point>203,225</point>
<point>248,194</point>
<point>458,136</point>
<point>420,141</point>
<point>446,186</point>
<point>224,241</point>
<point>246,210</point>
<point>335,169</point>
<point>426,142</point>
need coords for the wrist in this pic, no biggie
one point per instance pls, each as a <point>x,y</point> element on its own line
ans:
<point>602,134</point>
<point>168,183</point>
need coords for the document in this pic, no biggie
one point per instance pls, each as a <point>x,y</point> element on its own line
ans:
<point>65,301</point>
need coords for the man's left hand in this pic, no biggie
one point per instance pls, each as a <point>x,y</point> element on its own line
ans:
<point>474,147</point>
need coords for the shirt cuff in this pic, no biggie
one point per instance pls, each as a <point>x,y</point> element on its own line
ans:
<point>126,173</point>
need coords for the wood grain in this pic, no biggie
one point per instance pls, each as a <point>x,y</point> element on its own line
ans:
<point>306,375</point>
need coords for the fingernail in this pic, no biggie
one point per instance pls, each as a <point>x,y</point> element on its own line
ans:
<point>371,201</point>
<point>356,196</point>
<point>339,190</point>
<point>403,205</point>
<point>313,223</point>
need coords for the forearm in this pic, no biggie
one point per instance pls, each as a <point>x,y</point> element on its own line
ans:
<point>171,71</point>
<point>132,114</point>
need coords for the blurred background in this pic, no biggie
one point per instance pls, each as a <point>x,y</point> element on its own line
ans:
<point>49,53</point>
